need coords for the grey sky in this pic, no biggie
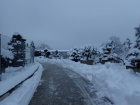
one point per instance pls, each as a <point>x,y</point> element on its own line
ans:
<point>67,23</point>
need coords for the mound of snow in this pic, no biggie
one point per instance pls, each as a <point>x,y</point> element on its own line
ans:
<point>111,80</point>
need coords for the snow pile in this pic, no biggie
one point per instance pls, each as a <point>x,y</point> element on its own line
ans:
<point>111,80</point>
<point>16,78</point>
<point>11,72</point>
<point>24,93</point>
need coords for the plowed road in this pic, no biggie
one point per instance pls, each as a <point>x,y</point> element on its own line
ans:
<point>61,86</point>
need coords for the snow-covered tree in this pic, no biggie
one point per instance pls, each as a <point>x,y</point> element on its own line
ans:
<point>94,53</point>
<point>90,52</point>
<point>117,46</point>
<point>74,54</point>
<point>17,46</point>
<point>47,53</point>
<point>137,34</point>
<point>133,57</point>
<point>81,52</point>
<point>87,52</point>
<point>107,47</point>
<point>127,43</point>
<point>56,55</point>
<point>43,46</point>
<point>134,54</point>
<point>127,46</point>
<point>111,51</point>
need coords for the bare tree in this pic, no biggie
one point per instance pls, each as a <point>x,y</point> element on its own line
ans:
<point>117,46</point>
<point>43,46</point>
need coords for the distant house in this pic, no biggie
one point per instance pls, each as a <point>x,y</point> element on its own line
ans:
<point>62,53</point>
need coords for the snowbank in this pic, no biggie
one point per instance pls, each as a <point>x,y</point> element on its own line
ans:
<point>15,78</point>
<point>11,72</point>
<point>24,93</point>
<point>111,80</point>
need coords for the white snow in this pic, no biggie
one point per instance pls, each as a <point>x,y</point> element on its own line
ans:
<point>16,78</point>
<point>111,80</point>
<point>7,53</point>
<point>135,50</point>
<point>24,93</point>
<point>11,72</point>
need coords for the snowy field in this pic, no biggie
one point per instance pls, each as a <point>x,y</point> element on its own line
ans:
<point>111,80</point>
<point>14,76</point>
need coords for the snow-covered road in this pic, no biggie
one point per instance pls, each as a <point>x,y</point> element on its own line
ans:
<point>65,82</point>
<point>111,80</point>
<point>64,87</point>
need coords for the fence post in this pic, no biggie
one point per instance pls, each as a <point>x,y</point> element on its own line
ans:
<point>0,58</point>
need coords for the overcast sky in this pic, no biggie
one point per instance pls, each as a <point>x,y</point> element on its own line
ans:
<point>66,23</point>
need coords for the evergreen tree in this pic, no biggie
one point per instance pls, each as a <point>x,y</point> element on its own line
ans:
<point>108,48</point>
<point>109,54</point>
<point>75,55</point>
<point>56,54</point>
<point>134,54</point>
<point>18,49</point>
<point>81,53</point>
<point>137,34</point>
<point>127,45</point>
<point>87,52</point>
<point>117,46</point>
<point>94,53</point>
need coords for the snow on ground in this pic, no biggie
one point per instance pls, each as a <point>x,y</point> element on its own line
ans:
<point>111,80</point>
<point>16,77</point>
<point>10,72</point>
<point>24,93</point>
<point>7,53</point>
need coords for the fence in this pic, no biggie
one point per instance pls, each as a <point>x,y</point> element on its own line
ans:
<point>15,52</point>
